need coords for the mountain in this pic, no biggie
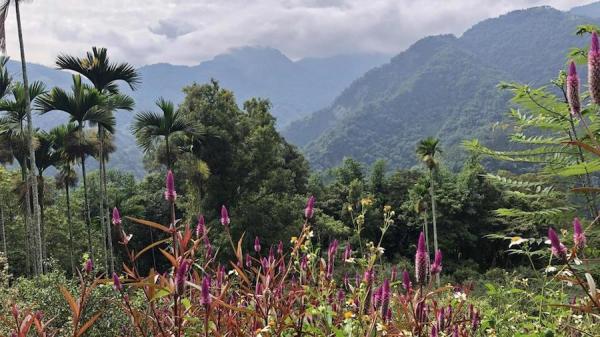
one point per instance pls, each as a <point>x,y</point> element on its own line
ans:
<point>591,10</point>
<point>295,88</point>
<point>442,86</point>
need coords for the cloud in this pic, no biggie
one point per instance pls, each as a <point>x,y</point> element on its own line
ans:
<point>189,31</point>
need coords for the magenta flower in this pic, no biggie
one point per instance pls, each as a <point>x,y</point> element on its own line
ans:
<point>573,90</point>
<point>434,331</point>
<point>309,211</point>
<point>280,248</point>
<point>594,69</point>
<point>225,216</point>
<point>436,267</point>
<point>578,234</point>
<point>89,266</point>
<point>170,193</point>
<point>248,260</point>
<point>406,281</point>
<point>304,262</point>
<point>256,244</point>
<point>117,282</point>
<point>205,300</point>
<point>421,261</point>
<point>201,227</point>
<point>116,217</point>
<point>385,299</point>
<point>180,277</point>
<point>347,252</point>
<point>558,249</point>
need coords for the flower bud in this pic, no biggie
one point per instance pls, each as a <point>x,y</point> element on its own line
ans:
<point>116,217</point>
<point>170,194</point>
<point>578,234</point>
<point>421,262</point>
<point>594,69</point>
<point>310,207</point>
<point>225,216</point>
<point>573,90</point>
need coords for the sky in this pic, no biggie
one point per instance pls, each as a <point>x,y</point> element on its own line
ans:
<point>188,32</point>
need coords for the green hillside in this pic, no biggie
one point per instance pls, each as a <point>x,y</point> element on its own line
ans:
<point>441,86</point>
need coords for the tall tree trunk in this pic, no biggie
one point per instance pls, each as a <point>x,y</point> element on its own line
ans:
<point>88,219</point>
<point>104,183</point>
<point>426,231</point>
<point>33,176</point>
<point>111,254</point>
<point>435,238</point>
<point>168,153</point>
<point>3,228</point>
<point>29,254</point>
<point>101,199</point>
<point>70,228</point>
<point>42,223</point>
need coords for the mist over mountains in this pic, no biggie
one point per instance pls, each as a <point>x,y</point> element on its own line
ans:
<point>442,86</point>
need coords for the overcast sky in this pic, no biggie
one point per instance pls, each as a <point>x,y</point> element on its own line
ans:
<point>191,31</point>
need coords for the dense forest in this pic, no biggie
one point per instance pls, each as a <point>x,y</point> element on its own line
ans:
<point>231,232</point>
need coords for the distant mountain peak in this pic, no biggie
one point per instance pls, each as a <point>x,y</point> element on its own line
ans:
<point>591,10</point>
<point>253,54</point>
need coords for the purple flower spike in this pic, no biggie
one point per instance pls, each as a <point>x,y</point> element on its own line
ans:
<point>594,69</point>
<point>573,90</point>
<point>116,217</point>
<point>256,244</point>
<point>117,282</point>
<point>558,249</point>
<point>421,262</point>
<point>385,299</point>
<point>309,211</point>
<point>436,267</point>
<point>225,216</point>
<point>180,276</point>
<point>434,331</point>
<point>206,291</point>
<point>406,281</point>
<point>89,266</point>
<point>201,227</point>
<point>578,234</point>
<point>348,252</point>
<point>170,193</point>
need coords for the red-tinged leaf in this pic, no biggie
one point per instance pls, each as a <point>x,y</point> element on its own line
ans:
<point>150,224</point>
<point>586,189</point>
<point>147,248</point>
<point>72,303</point>
<point>169,257</point>
<point>240,273</point>
<point>26,325</point>
<point>239,252</point>
<point>88,324</point>
<point>584,146</point>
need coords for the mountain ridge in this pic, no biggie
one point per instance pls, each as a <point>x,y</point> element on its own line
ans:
<point>524,45</point>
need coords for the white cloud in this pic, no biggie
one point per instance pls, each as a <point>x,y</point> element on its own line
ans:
<point>188,31</point>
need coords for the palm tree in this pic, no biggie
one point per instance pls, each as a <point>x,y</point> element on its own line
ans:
<point>45,157</point>
<point>5,82</point>
<point>149,127</point>
<point>84,106</point>
<point>15,139</point>
<point>32,176</point>
<point>67,146</point>
<point>426,150</point>
<point>104,75</point>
